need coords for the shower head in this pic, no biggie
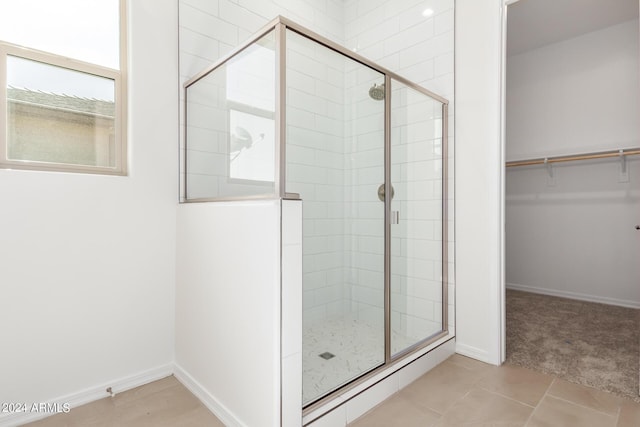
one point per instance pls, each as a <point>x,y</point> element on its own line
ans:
<point>377,92</point>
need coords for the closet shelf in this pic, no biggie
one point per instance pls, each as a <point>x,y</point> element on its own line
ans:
<point>575,157</point>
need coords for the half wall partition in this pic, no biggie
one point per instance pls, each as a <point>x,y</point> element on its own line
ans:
<point>292,115</point>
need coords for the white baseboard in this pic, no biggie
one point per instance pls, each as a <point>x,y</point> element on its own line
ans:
<point>218,409</point>
<point>89,395</point>
<point>574,295</point>
<point>472,352</point>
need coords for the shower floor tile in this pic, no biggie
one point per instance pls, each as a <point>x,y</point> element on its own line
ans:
<point>357,347</point>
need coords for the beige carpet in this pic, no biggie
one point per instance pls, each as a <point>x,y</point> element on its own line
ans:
<point>596,345</point>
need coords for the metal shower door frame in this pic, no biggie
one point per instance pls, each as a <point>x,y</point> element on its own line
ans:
<point>280,25</point>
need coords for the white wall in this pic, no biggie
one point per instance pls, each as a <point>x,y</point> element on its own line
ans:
<point>228,308</point>
<point>575,238</point>
<point>575,96</point>
<point>478,215</point>
<point>88,260</point>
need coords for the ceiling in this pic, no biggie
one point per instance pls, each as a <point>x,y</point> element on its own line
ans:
<point>536,23</point>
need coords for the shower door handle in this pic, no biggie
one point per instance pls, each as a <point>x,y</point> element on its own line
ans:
<point>395,217</point>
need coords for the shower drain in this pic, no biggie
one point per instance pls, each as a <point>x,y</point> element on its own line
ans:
<point>326,355</point>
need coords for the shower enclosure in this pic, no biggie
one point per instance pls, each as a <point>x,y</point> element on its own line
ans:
<point>292,115</point>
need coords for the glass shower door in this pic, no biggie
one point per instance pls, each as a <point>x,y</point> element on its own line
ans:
<point>335,161</point>
<point>416,208</point>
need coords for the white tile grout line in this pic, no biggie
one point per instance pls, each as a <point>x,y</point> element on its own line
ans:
<point>452,404</point>
<point>456,400</point>
<point>582,406</point>
<point>547,393</point>
<point>510,398</point>
<point>503,395</point>
<point>539,402</point>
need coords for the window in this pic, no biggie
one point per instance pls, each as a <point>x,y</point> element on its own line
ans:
<point>250,98</point>
<point>62,86</point>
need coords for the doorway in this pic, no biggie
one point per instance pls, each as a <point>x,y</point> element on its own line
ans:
<point>571,199</point>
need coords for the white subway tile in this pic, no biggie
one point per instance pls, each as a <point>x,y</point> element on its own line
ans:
<point>412,15</point>
<point>329,126</point>
<point>350,11</point>
<point>208,6</point>
<point>379,32</point>
<point>336,309</point>
<point>314,280</point>
<point>444,22</point>
<point>241,16</point>
<point>304,63</point>
<point>266,9</point>
<point>291,299</point>
<point>292,390</point>
<point>291,222</point>
<point>367,6</point>
<point>311,315</point>
<point>297,7</point>
<point>329,193</point>
<point>209,25</point>
<point>199,45</point>
<point>300,155</point>
<point>300,118</point>
<point>226,48</point>
<point>314,209</point>
<point>304,137</point>
<point>407,37</point>
<point>307,102</point>
<point>329,92</point>
<point>335,176</point>
<point>373,51</point>
<point>300,81</point>
<point>191,65</point>
<point>316,244</point>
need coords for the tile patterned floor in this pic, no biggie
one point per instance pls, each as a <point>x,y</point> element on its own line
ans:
<point>163,403</point>
<point>358,346</point>
<point>458,392</point>
<point>465,392</point>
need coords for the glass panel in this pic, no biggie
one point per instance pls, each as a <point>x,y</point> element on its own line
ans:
<point>57,115</point>
<point>79,29</point>
<point>416,241</point>
<point>230,138</point>
<point>335,161</point>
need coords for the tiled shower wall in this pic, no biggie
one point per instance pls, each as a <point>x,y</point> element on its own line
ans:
<point>315,169</point>
<point>364,239</point>
<point>397,35</point>
<point>393,33</point>
<point>327,95</point>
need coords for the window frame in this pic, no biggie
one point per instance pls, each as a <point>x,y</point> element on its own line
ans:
<point>119,77</point>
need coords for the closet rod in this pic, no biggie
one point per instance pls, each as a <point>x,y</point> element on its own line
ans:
<point>558,159</point>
